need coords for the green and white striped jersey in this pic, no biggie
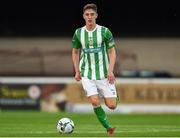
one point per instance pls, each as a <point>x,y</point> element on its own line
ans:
<point>94,59</point>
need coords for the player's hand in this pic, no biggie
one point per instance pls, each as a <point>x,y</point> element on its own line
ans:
<point>111,77</point>
<point>78,76</point>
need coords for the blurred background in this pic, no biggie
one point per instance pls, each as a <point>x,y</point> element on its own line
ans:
<point>36,70</point>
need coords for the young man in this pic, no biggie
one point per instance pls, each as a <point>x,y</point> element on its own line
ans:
<point>94,55</point>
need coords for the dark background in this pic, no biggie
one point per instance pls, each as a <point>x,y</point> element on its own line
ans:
<point>148,18</point>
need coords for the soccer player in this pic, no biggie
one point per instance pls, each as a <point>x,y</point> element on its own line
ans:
<point>93,56</point>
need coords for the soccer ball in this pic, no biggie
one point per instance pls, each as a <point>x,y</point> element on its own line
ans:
<point>65,125</point>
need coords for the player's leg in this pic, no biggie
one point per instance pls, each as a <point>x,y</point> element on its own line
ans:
<point>111,103</point>
<point>93,96</point>
<point>98,110</point>
<point>110,97</point>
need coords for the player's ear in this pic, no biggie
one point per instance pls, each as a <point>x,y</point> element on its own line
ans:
<point>96,15</point>
<point>83,16</point>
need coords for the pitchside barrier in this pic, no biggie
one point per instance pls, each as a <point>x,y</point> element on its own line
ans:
<point>67,95</point>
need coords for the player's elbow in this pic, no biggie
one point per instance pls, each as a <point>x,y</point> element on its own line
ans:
<point>75,51</point>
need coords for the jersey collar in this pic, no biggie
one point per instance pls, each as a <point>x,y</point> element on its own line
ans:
<point>91,30</point>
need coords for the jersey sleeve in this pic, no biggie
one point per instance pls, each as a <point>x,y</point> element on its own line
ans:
<point>75,41</point>
<point>109,39</point>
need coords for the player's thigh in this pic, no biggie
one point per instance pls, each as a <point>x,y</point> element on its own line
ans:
<point>89,87</point>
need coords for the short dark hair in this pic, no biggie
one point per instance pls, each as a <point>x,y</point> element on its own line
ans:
<point>90,6</point>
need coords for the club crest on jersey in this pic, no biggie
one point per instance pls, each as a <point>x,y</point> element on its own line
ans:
<point>90,41</point>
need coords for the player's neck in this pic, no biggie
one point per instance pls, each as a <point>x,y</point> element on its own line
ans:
<point>90,27</point>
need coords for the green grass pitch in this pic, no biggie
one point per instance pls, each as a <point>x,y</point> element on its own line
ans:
<point>43,124</point>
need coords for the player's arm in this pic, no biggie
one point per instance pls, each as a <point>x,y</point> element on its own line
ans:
<point>112,56</point>
<point>76,46</point>
<point>75,59</point>
<point>112,60</point>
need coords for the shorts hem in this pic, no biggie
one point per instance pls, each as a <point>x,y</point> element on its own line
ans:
<point>91,95</point>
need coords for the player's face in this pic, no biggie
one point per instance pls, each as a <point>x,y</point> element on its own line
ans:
<point>90,16</point>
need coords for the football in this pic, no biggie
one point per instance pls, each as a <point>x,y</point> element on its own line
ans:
<point>65,125</point>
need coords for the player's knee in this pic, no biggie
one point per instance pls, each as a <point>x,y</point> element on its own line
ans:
<point>111,106</point>
<point>95,102</point>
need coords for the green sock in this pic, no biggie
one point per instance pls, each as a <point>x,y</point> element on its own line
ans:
<point>102,116</point>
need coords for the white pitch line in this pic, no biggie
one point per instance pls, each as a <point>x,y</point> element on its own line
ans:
<point>87,137</point>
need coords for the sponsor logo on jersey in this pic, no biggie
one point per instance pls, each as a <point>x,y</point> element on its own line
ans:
<point>92,50</point>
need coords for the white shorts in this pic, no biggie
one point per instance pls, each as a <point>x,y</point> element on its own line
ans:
<point>99,87</point>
